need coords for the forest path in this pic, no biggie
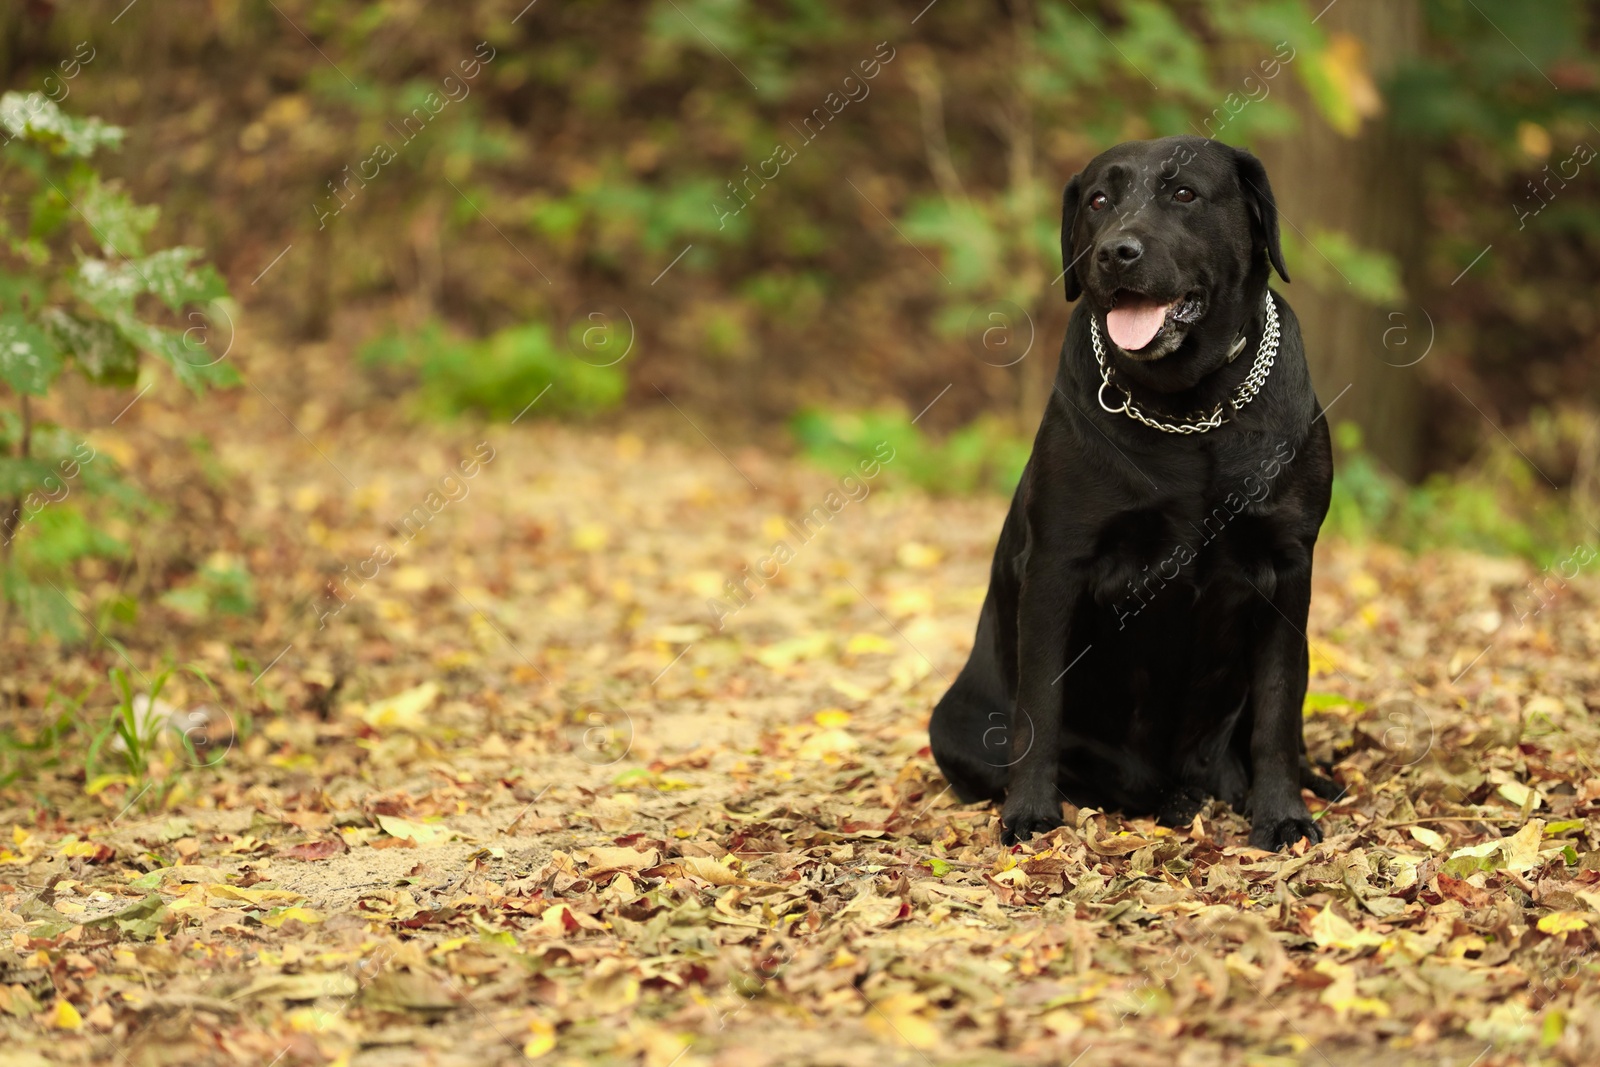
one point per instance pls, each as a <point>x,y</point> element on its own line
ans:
<point>520,796</point>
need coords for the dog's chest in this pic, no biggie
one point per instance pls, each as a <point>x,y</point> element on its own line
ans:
<point>1213,530</point>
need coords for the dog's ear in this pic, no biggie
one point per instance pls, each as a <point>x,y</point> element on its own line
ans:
<point>1069,216</point>
<point>1263,208</point>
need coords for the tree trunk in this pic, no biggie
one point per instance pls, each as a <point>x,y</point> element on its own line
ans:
<point>1367,186</point>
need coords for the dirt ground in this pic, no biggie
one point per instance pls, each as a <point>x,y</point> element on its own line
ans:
<point>513,795</point>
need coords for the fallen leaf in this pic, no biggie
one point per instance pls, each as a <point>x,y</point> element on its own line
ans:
<point>421,833</point>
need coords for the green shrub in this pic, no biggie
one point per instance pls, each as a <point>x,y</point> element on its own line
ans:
<point>983,455</point>
<point>79,291</point>
<point>500,375</point>
<point>1500,507</point>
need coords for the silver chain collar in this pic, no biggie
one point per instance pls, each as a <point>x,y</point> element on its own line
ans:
<point>1266,355</point>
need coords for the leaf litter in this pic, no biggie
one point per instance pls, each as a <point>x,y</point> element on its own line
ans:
<point>523,800</point>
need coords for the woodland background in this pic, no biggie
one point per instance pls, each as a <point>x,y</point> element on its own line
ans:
<point>1427,156</point>
<point>390,390</point>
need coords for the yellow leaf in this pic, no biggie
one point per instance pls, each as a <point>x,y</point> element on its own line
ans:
<point>1519,794</point>
<point>1522,847</point>
<point>827,743</point>
<point>1353,97</point>
<point>590,537</point>
<point>1534,140</point>
<point>99,785</point>
<point>918,556</point>
<point>680,634</point>
<point>65,1017</point>
<point>788,653</point>
<point>1561,922</point>
<point>1321,662</point>
<point>1430,838</point>
<point>1329,930</point>
<point>305,915</point>
<point>412,579</point>
<point>708,870</point>
<point>1342,995</point>
<point>267,897</point>
<point>895,1018</point>
<point>904,602</point>
<point>542,1041</point>
<point>1062,1022</point>
<point>870,645</point>
<point>1363,586</point>
<point>704,583</point>
<point>403,711</point>
<point>606,857</point>
<point>850,690</point>
<point>832,718</point>
<point>421,833</point>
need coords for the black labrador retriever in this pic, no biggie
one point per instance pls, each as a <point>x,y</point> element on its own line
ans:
<point>1142,645</point>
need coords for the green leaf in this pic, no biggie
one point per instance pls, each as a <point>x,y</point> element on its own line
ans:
<point>109,288</point>
<point>118,222</point>
<point>169,277</point>
<point>29,361</point>
<point>102,354</point>
<point>35,117</point>
<point>42,606</point>
<point>19,477</point>
<point>196,365</point>
<point>190,601</point>
<point>971,240</point>
<point>140,921</point>
<point>1335,263</point>
<point>20,290</point>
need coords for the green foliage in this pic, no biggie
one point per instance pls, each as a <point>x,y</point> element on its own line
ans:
<point>497,377</point>
<point>36,118</point>
<point>79,291</point>
<point>1331,260</point>
<point>985,455</point>
<point>1500,507</point>
<point>224,586</point>
<point>137,744</point>
<point>136,740</point>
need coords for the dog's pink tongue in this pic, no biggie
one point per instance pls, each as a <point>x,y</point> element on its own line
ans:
<point>1133,323</point>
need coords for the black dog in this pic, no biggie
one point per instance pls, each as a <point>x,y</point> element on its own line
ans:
<point>1142,645</point>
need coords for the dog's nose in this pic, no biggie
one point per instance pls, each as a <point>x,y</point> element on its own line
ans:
<point>1118,252</point>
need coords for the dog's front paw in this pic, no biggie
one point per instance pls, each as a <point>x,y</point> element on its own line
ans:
<point>1274,832</point>
<point>1023,817</point>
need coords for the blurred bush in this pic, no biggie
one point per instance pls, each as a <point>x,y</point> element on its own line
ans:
<point>985,455</point>
<point>499,376</point>
<point>1500,506</point>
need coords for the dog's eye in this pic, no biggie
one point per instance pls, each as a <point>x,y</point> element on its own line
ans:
<point>1184,195</point>
<point>1098,201</point>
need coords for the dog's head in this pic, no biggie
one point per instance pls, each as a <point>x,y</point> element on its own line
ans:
<point>1166,237</point>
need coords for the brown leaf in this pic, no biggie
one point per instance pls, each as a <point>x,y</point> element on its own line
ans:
<point>315,850</point>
